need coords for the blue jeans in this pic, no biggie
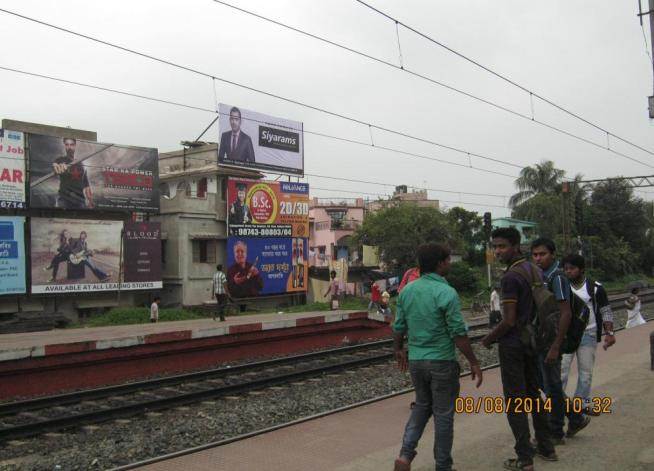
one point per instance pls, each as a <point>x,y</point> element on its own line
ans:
<point>585,362</point>
<point>551,384</point>
<point>437,387</point>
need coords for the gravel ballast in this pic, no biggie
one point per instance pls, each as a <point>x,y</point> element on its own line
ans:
<point>124,441</point>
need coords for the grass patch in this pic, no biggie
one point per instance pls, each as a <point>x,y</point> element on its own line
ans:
<point>136,315</point>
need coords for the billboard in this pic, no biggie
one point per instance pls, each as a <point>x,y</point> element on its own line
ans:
<point>267,209</point>
<point>12,255</point>
<point>258,141</point>
<point>142,256</point>
<point>77,174</point>
<point>74,255</point>
<point>12,169</point>
<point>261,266</point>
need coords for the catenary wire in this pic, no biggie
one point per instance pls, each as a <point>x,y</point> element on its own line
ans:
<point>260,91</point>
<point>173,103</point>
<point>329,136</point>
<point>503,77</point>
<point>407,70</point>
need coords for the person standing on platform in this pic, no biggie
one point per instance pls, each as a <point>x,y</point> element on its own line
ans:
<point>375,296</point>
<point>333,290</point>
<point>543,253</point>
<point>518,360</point>
<point>429,315</point>
<point>220,292</point>
<point>634,317</point>
<point>590,296</point>
<point>154,310</point>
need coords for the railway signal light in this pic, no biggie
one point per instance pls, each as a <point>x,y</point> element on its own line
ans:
<point>488,223</point>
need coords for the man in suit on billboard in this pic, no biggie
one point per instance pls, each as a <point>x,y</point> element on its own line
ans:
<point>235,144</point>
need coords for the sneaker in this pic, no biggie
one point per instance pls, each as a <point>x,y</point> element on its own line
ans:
<point>401,464</point>
<point>572,431</point>
<point>517,465</point>
<point>551,456</point>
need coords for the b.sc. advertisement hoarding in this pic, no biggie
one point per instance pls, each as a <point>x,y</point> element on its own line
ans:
<point>267,209</point>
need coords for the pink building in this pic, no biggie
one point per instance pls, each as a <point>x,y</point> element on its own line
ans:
<point>332,221</point>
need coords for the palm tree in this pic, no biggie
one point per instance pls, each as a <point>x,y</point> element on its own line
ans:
<point>541,178</point>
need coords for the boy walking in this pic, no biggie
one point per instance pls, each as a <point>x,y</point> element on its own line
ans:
<point>154,310</point>
<point>429,314</point>
<point>220,292</point>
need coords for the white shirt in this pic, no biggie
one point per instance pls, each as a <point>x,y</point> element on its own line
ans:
<point>154,311</point>
<point>495,301</point>
<point>582,293</point>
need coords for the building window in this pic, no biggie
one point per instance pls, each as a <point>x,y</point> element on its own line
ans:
<point>204,251</point>
<point>181,187</point>
<point>202,188</point>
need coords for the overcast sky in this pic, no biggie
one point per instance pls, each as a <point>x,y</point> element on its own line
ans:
<point>591,60</point>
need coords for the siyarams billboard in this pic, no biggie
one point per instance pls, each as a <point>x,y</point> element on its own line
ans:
<point>12,169</point>
<point>70,173</point>
<point>259,141</point>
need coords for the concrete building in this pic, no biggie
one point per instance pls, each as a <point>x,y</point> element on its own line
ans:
<point>402,195</point>
<point>528,230</point>
<point>332,221</point>
<point>193,220</point>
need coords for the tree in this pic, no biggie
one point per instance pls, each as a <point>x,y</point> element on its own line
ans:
<point>399,230</point>
<point>468,225</point>
<point>541,178</point>
<point>543,209</point>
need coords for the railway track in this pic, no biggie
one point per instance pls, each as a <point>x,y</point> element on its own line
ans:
<point>37,416</point>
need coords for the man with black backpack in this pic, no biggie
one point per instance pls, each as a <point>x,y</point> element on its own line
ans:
<point>522,291</point>
<point>591,303</point>
<point>554,340</point>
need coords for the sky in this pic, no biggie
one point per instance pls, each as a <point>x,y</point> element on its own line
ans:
<point>592,61</point>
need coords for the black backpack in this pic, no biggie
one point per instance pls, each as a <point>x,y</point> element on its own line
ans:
<point>539,332</point>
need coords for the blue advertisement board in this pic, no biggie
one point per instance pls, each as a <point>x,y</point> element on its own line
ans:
<point>257,266</point>
<point>12,255</point>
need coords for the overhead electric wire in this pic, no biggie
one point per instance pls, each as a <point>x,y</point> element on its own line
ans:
<point>402,67</point>
<point>260,91</point>
<point>503,77</point>
<point>329,136</point>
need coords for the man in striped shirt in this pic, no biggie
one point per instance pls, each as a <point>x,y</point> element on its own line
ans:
<point>220,292</point>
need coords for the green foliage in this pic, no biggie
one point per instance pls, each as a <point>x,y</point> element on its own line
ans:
<point>542,178</point>
<point>543,209</point>
<point>469,227</point>
<point>462,277</point>
<point>399,230</point>
<point>139,315</point>
<point>609,259</point>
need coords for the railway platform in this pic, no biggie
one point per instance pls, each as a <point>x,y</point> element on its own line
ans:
<point>369,437</point>
<point>38,363</point>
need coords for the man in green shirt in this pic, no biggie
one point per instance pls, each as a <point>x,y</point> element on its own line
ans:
<point>429,315</point>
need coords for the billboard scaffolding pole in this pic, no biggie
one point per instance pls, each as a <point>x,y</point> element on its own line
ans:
<point>120,263</point>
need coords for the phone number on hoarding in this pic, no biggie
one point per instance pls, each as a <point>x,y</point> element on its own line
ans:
<point>263,231</point>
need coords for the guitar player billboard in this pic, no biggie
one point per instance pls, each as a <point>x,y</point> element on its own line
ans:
<point>74,255</point>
